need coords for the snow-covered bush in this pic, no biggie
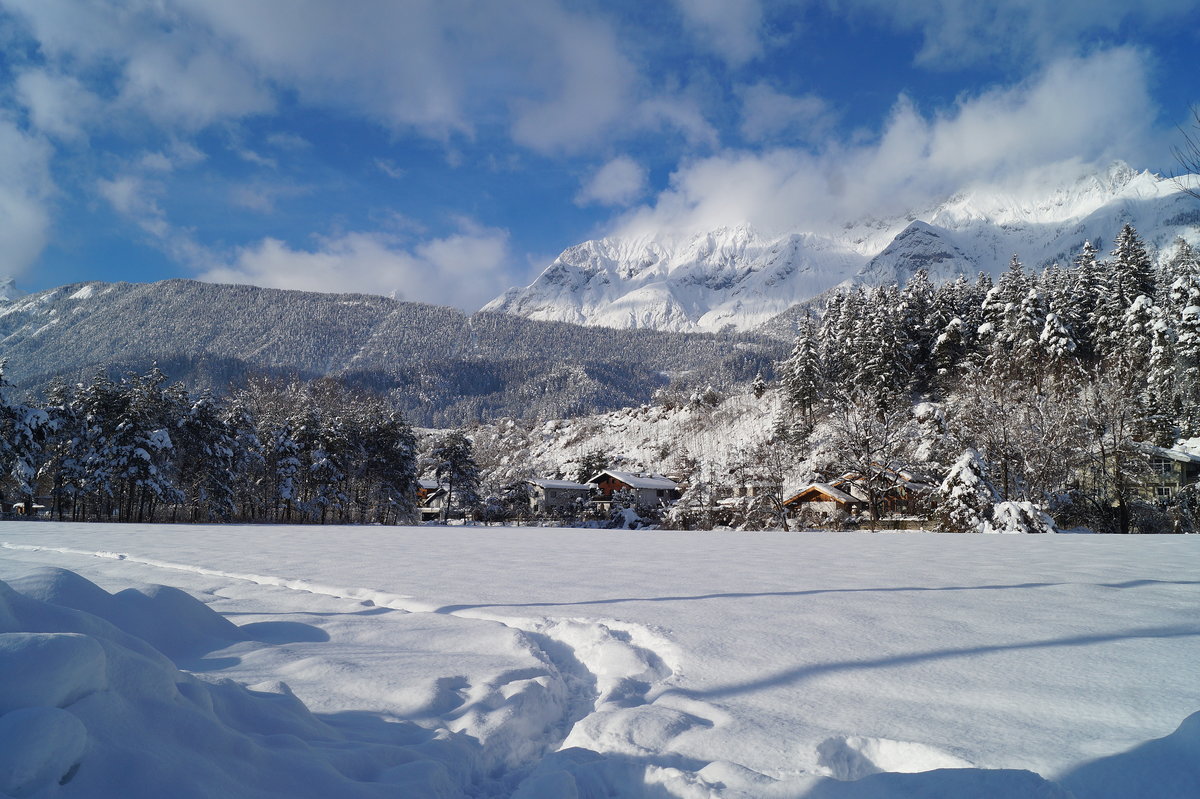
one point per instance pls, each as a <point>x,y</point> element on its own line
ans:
<point>1019,517</point>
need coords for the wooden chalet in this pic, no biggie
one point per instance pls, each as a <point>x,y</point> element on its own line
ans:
<point>824,498</point>
<point>900,491</point>
<point>648,489</point>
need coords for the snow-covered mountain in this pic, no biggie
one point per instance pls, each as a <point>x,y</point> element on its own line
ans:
<point>738,276</point>
<point>442,366</point>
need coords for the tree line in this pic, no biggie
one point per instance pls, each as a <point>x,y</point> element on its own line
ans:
<point>140,449</point>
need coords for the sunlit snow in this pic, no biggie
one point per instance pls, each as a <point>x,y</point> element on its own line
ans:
<point>495,661</point>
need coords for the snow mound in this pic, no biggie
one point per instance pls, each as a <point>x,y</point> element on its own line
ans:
<point>39,746</point>
<point>88,710</point>
<point>172,621</point>
<point>854,757</point>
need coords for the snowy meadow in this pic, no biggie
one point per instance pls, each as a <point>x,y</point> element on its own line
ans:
<point>487,662</point>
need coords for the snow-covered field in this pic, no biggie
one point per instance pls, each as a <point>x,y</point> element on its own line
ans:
<point>450,662</point>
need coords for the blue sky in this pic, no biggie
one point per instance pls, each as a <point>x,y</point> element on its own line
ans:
<point>444,150</point>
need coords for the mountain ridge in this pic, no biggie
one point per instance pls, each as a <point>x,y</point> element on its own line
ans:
<point>440,365</point>
<point>735,276</point>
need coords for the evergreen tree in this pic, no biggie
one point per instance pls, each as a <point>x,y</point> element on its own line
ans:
<point>802,376</point>
<point>1023,338</point>
<point>591,464</point>
<point>966,496</point>
<point>759,386</point>
<point>1058,345</point>
<point>206,460</point>
<point>1136,333</point>
<point>1159,394</point>
<point>1132,270</point>
<point>949,352</point>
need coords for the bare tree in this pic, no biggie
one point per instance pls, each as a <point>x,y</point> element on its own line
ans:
<point>868,436</point>
<point>1188,155</point>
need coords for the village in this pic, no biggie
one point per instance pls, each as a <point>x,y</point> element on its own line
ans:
<point>893,496</point>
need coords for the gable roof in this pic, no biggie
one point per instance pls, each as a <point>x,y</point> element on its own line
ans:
<point>811,492</point>
<point>1175,453</point>
<point>544,482</point>
<point>653,481</point>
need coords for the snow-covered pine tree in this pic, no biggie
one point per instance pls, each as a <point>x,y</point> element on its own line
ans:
<point>330,450</point>
<point>1133,344</point>
<point>918,311</point>
<point>205,460</point>
<point>949,351</point>
<point>885,347</point>
<point>61,465</point>
<point>758,386</point>
<point>140,445</point>
<point>966,496</point>
<point>389,469</point>
<point>990,336</point>
<point>1132,269</point>
<point>1159,394</point>
<point>1023,338</point>
<point>1059,347</point>
<point>1187,353</point>
<point>801,379</point>
<point>1081,299</point>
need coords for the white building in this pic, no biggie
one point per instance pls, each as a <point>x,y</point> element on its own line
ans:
<point>548,496</point>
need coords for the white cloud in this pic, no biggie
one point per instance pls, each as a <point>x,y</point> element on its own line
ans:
<point>178,155</point>
<point>591,85</point>
<point>676,113</point>
<point>389,168</point>
<point>768,114</point>
<point>167,69</point>
<point>258,159</point>
<point>136,198</point>
<point>967,32</point>
<point>555,78</point>
<point>288,141</point>
<point>619,182</point>
<point>1090,109</point>
<point>262,196</point>
<point>730,28</point>
<point>25,192</point>
<point>464,269</point>
<point>58,104</point>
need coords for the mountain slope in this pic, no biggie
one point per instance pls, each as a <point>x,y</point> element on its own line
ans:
<point>737,276</point>
<point>443,367</point>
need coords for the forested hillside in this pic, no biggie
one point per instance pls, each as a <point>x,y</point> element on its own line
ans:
<point>1050,388</point>
<point>441,367</point>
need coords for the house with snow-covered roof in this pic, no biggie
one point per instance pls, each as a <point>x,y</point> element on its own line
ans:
<point>648,489</point>
<point>823,498</point>
<point>551,496</point>
<point>431,499</point>
<point>900,490</point>
<point>1172,469</point>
